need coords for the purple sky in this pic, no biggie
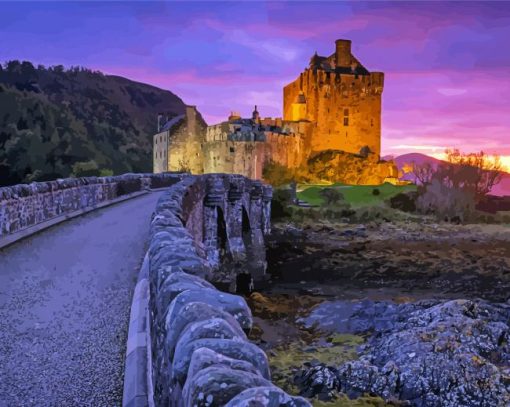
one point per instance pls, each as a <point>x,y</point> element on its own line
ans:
<point>447,65</point>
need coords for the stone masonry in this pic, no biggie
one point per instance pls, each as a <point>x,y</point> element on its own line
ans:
<point>200,353</point>
<point>26,205</point>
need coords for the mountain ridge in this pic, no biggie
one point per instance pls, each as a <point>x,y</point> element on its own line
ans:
<point>56,122</point>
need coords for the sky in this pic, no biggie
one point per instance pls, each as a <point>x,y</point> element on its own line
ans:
<point>446,64</point>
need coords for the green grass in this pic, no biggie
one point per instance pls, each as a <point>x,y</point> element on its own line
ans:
<point>285,359</point>
<point>356,195</point>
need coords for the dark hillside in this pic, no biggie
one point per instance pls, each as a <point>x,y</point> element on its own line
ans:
<point>56,122</point>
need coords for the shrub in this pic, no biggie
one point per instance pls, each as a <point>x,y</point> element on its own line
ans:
<point>404,201</point>
<point>376,192</point>
<point>85,169</point>
<point>280,204</point>
<point>331,196</point>
<point>445,202</point>
<point>277,174</point>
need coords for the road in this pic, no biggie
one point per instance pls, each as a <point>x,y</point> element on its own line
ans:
<point>65,295</point>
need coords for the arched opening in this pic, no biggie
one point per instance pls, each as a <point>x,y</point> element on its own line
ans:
<point>244,279</point>
<point>246,229</point>
<point>222,238</point>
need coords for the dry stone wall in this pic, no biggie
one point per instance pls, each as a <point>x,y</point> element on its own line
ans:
<point>200,352</point>
<point>26,205</point>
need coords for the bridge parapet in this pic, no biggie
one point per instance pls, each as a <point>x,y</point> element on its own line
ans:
<point>25,205</point>
<point>200,352</point>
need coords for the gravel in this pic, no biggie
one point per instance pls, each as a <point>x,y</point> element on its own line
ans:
<point>65,298</point>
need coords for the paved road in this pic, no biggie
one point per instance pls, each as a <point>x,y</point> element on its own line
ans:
<point>65,295</point>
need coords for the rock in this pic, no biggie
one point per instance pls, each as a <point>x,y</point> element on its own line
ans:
<point>204,357</point>
<point>233,304</point>
<point>174,284</point>
<point>268,396</point>
<point>215,328</point>
<point>190,313</point>
<point>236,349</point>
<point>319,380</point>
<point>448,354</point>
<point>215,386</point>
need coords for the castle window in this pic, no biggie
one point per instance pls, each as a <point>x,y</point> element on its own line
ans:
<point>346,112</point>
<point>372,122</point>
<point>232,150</point>
<point>346,121</point>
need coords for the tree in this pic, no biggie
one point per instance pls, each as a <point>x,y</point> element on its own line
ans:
<point>422,172</point>
<point>331,196</point>
<point>277,174</point>
<point>478,172</point>
<point>454,187</point>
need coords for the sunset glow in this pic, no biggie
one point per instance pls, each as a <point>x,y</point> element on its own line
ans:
<point>447,68</point>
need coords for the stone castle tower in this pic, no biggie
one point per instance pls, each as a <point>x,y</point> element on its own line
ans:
<point>342,101</point>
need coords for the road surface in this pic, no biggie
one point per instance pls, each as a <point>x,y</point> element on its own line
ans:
<point>65,295</point>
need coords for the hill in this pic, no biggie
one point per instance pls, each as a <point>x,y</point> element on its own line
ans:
<point>501,189</point>
<point>55,122</point>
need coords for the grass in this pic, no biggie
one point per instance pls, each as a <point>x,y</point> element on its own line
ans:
<point>356,195</point>
<point>286,359</point>
<point>344,401</point>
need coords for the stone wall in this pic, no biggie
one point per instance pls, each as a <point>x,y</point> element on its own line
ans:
<point>200,352</point>
<point>26,205</point>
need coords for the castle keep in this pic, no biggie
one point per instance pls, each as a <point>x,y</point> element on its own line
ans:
<point>331,120</point>
<point>341,98</point>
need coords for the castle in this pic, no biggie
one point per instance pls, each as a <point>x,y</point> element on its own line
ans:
<point>331,111</point>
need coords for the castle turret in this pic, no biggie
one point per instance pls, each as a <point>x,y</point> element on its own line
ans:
<point>255,115</point>
<point>343,53</point>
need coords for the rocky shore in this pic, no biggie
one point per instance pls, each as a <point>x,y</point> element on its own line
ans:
<point>388,314</point>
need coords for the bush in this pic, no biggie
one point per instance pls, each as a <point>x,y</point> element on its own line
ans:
<point>376,192</point>
<point>405,201</point>
<point>85,169</point>
<point>277,174</point>
<point>331,196</point>
<point>105,172</point>
<point>280,204</point>
<point>446,203</point>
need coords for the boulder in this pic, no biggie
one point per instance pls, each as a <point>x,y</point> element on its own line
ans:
<point>192,312</point>
<point>236,349</point>
<point>174,284</point>
<point>266,396</point>
<point>429,353</point>
<point>215,386</point>
<point>318,380</point>
<point>204,357</point>
<point>233,304</point>
<point>215,328</point>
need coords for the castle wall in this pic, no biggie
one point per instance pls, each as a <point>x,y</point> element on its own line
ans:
<point>248,158</point>
<point>235,157</point>
<point>345,108</point>
<point>160,152</point>
<point>185,146</point>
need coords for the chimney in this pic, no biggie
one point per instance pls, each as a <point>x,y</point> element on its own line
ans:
<point>343,53</point>
<point>191,115</point>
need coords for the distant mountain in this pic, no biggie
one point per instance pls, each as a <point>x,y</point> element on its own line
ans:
<point>501,189</point>
<point>55,122</point>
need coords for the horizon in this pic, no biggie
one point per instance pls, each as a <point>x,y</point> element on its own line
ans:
<point>446,69</point>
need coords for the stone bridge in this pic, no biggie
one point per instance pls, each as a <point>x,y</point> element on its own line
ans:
<point>65,292</point>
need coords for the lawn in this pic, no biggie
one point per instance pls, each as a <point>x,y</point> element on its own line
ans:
<point>356,195</point>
